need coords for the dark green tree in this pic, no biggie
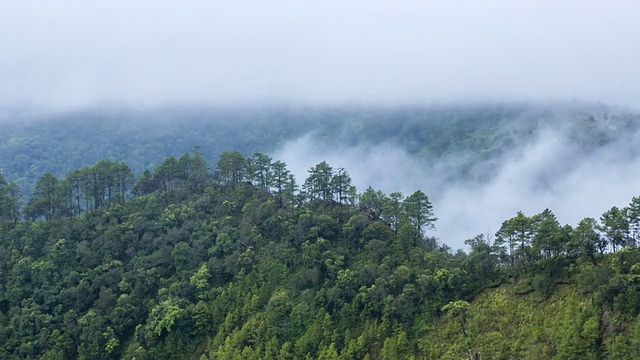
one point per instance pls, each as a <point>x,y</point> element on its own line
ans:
<point>123,181</point>
<point>506,237</point>
<point>168,174</point>
<point>392,210</point>
<point>232,167</point>
<point>341,184</point>
<point>585,239</point>
<point>548,236</point>
<point>524,229</point>
<point>194,171</point>
<point>373,201</point>
<point>318,186</point>
<point>615,227</point>
<point>262,170</point>
<point>9,202</point>
<point>46,198</point>
<point>633,218</point>
<point>279,179</point>
<point>146,184</point>
<point>419,212</point>
<point>76,183</point>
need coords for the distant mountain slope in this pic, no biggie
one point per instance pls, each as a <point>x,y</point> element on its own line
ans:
<point>462,136</point>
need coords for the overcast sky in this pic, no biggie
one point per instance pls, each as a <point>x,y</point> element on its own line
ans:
<point>69,53</point>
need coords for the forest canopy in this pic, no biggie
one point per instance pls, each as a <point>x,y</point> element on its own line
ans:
<point>244,262</point>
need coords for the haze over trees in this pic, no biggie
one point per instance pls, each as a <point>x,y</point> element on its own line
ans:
<point>212,180</point>
<point>468,138</point>
<point>242,262</point>
<point>452,153</point>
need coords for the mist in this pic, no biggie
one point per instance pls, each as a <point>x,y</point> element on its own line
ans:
<point>70,54</point>
<point>76,54</point>
<point>546,171</point>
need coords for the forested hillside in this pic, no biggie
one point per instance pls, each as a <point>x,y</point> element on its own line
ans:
<point>463,137</point>
<point>246,262</point>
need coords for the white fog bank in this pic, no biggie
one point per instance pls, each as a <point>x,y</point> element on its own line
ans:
<point>545,173</point>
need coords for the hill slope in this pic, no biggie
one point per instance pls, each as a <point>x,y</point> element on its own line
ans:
<point>231,268</point>
<point>467,138</point>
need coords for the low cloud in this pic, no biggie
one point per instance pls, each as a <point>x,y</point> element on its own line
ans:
<point>384,166</point>
<point>548,171</point>
<point>74,54</point>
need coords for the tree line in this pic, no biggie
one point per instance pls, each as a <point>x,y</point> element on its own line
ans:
<point>110,182</point>
<point>242,263</point>
<point>524,238</point>
<point>102,266</point>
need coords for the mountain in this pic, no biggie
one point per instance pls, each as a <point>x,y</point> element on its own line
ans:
<point>469,139</point>
<point>246,263</point>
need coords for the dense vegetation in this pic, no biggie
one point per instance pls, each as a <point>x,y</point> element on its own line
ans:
<point>465,137</point>
<point>246,263</point>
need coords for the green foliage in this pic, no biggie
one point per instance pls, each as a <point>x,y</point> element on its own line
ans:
<point>615,227</point>
<point>186,264</point>
<point>458,310</point>
<point>419,211</point>
<point>9,203</point>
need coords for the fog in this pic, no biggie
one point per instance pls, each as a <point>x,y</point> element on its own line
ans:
<point>74,54</point>
<point>544,172</point>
